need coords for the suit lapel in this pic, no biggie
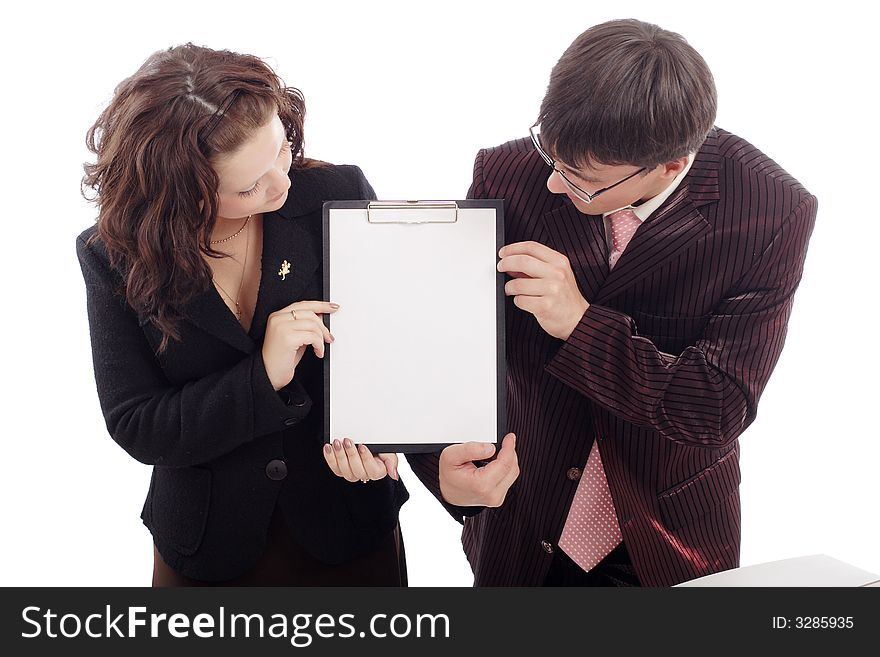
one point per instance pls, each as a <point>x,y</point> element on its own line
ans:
<point>291,249</point>
<point>582,239</point>
<point>673,227</point>
<point>210,313</point>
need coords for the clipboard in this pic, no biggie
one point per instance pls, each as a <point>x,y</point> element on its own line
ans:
<point>419,358</point>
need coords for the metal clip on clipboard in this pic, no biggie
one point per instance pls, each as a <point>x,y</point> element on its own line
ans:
<point>401,212</point>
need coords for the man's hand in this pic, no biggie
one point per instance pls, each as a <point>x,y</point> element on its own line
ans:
<point>464,484</point>
<point>544,285</point>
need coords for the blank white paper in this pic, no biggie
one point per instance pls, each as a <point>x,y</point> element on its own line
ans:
<point>415,354</point>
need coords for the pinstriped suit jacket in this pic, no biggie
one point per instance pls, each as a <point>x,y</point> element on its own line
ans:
<point>665,368</point>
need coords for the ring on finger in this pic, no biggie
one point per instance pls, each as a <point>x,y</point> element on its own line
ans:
<point>363,481</point>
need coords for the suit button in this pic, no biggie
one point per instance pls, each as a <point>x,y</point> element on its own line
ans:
<point>573,474</point>
<point>276,470</point>
<point>548,547</point>
<point>299,403</point>
<point>290,421</point>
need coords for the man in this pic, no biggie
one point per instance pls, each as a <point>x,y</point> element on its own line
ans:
<point>653,259</point>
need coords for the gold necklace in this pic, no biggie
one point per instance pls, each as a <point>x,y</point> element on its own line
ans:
<point>226,239</point>
<point>241,283</point>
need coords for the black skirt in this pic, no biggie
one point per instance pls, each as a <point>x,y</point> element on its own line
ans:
<point>286,563</point>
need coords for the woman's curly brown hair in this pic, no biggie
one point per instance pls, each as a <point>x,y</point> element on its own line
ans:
<point>153,179</point>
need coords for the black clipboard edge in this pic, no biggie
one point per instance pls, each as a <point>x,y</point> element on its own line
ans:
<point>500,326</point>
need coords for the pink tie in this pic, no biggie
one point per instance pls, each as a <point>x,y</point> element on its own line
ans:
<point>591,530</point>
<point>624,224</point>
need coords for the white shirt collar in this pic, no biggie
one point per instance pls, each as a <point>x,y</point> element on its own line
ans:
<point>647,208</point>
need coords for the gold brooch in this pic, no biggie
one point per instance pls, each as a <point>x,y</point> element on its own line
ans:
<point>285,270</point>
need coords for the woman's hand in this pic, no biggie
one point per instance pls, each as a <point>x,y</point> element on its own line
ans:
<point>289,332</point>
<point>356,462</point>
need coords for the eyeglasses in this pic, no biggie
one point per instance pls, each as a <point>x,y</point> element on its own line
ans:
<point>582,194</point>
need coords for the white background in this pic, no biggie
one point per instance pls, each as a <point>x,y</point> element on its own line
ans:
<point>409,92</point>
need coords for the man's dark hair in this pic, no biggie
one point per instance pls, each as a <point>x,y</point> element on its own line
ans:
<point>627,92</point>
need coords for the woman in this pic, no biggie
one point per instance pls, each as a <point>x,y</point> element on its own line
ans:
<point>203,277</point>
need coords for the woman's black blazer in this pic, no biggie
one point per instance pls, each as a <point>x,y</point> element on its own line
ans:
<point>224,445</point>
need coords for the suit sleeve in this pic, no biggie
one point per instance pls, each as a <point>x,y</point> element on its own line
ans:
<point>155,422</point>
<point>427,466</point>
<point>708,394</point>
